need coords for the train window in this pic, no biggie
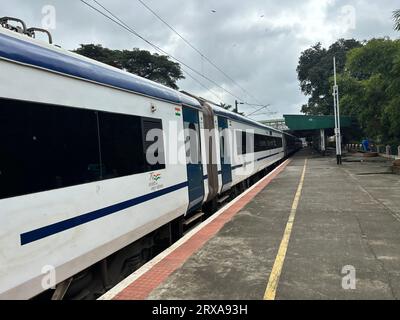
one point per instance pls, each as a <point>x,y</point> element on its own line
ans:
<point>153,143</point>
<point>45,147</point>
<point>241,142</point>
<point>192,142</point>
<point>121,145</point>
<point>222,149</point>
<point>250,142</point>
<point>260,143</point>
<point>124,145</point>
<point>264,143</point>
<point>74,146</point>
<point>271,143</point>
<point>245,142</point>
<point>279,143</point>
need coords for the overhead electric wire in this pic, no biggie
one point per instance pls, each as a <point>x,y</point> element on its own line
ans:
<point>198,51</point>
<point>126,27</point>
<point>202,84</point>
<point>122,24</point>
<point>263,107</point>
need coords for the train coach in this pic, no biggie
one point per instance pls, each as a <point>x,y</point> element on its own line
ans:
<point>81,206</point>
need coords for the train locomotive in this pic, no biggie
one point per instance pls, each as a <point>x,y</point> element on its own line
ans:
<point>80,205</point>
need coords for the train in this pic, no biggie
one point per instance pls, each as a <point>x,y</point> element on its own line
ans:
<point>81,204</point>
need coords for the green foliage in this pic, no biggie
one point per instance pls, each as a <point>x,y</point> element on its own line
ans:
<point>370,89</point>
<point>368,79</point>
<point>140,62</point>
<point>314,70</point>
<point>376,57</point>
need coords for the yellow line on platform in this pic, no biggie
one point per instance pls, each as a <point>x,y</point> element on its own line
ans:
<point>273,281</point>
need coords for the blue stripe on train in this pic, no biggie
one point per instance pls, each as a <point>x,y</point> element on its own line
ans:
<point>61,226</point>
<point>260,159</point>
<point>58,227</point>
<point>271,155</point>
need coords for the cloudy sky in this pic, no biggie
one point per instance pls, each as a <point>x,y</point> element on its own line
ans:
<point>256,42</point>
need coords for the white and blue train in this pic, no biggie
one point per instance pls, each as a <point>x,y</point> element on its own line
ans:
<point>77,196</point>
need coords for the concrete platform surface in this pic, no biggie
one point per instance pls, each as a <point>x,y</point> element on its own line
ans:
<point>346,227</point>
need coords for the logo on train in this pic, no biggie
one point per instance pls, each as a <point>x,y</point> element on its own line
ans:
<point>155,176</point>
<point>154,181</point>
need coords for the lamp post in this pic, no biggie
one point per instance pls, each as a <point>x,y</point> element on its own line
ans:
<point>337,117</point>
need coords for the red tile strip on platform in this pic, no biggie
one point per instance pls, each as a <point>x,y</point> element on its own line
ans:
<point>144,285</point>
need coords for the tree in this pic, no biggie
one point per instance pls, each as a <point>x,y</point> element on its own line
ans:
<point>396,18</point>
<point>314,71</point>
<point>140,62</point>
<point>370,89</point>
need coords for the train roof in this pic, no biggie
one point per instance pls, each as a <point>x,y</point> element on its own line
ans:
<point>22,49</point>
<point>218,110</point>
<point>234,116</point>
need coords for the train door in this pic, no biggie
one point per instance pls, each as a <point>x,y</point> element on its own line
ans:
<point>225,162</point>
<point>193,158</point>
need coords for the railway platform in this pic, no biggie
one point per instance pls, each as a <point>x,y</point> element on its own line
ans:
<point>308,230</point>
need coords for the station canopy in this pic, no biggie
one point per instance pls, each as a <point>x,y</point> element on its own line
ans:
<point>306,123</point>
<point>309,126</point>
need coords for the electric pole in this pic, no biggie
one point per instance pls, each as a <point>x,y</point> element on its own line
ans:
<point>337,116</point>
<point>236,106</point>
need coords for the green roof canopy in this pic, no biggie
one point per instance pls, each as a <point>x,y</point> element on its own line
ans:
<point>303,123</point>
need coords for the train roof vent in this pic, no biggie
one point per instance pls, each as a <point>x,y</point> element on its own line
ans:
<point>5,23</point>
<point>31,32</point>
<point>19,26</point>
